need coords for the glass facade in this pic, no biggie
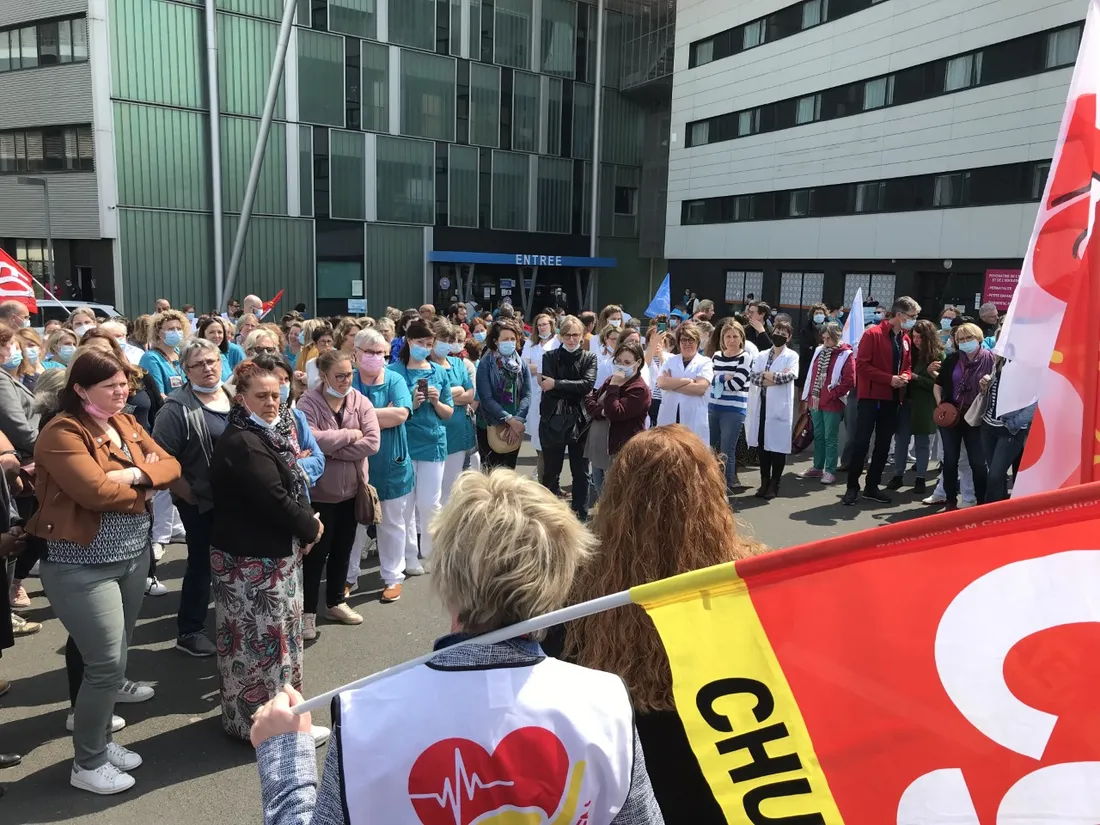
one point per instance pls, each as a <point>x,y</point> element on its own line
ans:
<point>412,23</point>
<point>358,17</point>
<point>525,112</point>
<point>375,90</point>
<point>484,105</point>
<point>555,194</point>
<point>405,180</point>
<point>347,175</point>
<point>427,96</point>
<point>511,190</point>
<point>463,185</point>
<point>512,33</point>
<point>320,78</point>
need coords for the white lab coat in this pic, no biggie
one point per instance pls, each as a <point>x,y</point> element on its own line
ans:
<point>691,408</point>
<point>604,363</point>
<point>532,354</point>
<point>780,414</point>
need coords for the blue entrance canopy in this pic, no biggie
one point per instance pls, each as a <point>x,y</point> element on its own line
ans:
<point>520,259</point>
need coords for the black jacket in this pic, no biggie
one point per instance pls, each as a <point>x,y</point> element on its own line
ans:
<point>255,514</point>
<point>561,414</point>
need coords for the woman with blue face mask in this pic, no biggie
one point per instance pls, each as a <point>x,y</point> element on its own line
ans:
<point>432,405</point>
<point>459,427</point>
<point>162,359</point>
<point>345,425</point>
<point>503,392</point>
<point>31,367</point>
<point>60,349</point>
<point>263,526</point>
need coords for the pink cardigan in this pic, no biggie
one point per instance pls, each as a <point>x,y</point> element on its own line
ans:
<point>343,452</point>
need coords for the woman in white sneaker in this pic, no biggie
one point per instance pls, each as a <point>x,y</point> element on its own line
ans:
<point>344,423</point>
<point>97,471</point>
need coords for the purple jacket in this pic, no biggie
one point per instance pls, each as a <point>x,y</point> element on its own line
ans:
<point>343,453</point>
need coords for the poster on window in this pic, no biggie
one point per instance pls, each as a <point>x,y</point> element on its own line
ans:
<point>1000,284</point>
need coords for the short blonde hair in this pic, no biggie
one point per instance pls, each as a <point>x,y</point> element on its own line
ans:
<point>257,335</point>
<point>570,321</point>
<point>384,325</point>
<point>971,330</point>
<point>506,550</point>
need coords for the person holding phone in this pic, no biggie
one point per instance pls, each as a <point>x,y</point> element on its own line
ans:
<point>432,405</point>
<point>504,393</point>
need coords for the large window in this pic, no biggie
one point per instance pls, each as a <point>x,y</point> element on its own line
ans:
<point>348,175</point>
<point>50,149</point>
<point>406,180</point>
<point>553,115</point>
<point>1012,59</point>
<point>412,23</point>
<point>375,94</point>
<point>484,105</point>
<point>584,107</point>
<point>987,186</point>
<point>49,43</point>
<point>525,112</point>
<point>357,17</point>
<point>512,33</point>
<point>559,37</point>
<point>320,78</point>
<point>555,195</point>
<point>463,184</point>
<point>427,95</point>
<point>511,190</point>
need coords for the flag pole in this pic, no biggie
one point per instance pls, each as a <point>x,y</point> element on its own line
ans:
<point>1090,438</point>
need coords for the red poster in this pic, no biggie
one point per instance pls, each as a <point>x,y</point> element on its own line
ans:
<point>999,286</point>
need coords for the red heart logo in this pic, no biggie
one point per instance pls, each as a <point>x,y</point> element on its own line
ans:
<point>455,781</point>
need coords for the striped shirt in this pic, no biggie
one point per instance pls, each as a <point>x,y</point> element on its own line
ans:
<point>730,386</point>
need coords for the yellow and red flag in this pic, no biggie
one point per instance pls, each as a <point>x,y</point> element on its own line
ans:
<point>936,671</point>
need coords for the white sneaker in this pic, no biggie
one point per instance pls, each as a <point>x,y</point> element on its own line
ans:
<point>158,551</point>
<point>131,692</point>
<point>414,570</point>
<point>117,723</point>
<point>320,734</point>
<point>104,780</point>
<point>933,499</point>
<point>153,587</point>
<point>122,758</point>
<point>309,626</point>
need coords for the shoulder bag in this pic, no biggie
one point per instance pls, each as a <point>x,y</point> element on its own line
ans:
<point>946,415</point>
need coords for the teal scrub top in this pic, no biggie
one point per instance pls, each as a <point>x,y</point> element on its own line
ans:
<point>391,470</point>
<point>167,375</point>
<point>427,434</point>
<point>459,427</point>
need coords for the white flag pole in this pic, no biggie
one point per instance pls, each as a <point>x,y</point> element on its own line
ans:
<point>566,614</point>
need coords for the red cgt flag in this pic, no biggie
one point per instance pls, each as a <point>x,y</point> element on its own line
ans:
<point>16,283</point>
<point>270,305</point>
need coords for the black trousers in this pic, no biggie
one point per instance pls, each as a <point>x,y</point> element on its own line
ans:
<point>491,460</point>
<point>330,556</point>
<point>953,438</point>
<point>195,592</point>
<point>880,418</point>
<point>553,459</point>
<point>654,408</point>
<point>771,467</point>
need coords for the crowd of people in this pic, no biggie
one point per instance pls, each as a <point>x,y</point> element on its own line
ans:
<point>282,453</point>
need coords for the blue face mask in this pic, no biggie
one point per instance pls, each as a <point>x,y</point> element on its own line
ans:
<point>32,354</point>
<point>191,317</point>
<point>479,336</point>
<point>301,338</point>
<point>267,426</point>
<point>207,390</point>
<point>945,323</point>
<point>878,316</point>
<point>506,348</point>
<point>418,352</point>
<point>14,360</point>
<point>284,392</point>
<point>335,393</point>
<point>819,318</point>
<point>65,352</point>
<point>441,349</point>
<point>456,348</point>
<point>908,324</point>
<point>173,338</point>
<point>969,347</point>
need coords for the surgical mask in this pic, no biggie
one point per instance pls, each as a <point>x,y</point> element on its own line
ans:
<point>506,348</point>
<point>615,322</point>
<point>14,360</point>
<point>335,393</point>
<point>371,364</point>
<point>262,423</point>
<point>945,323</point>
<point>32,354</point>
<point>26,323</point>
<point>624,370</point>
<point>83,329</point>
<point>878,316</point>
<point>969,346</point>
<point>456,348</point>
<point>284,392</point>
<point>65,352</point>
<point>191,317</point>
<point>673,323</point>
<point>909,324</point>
<point>571,347</point>
<point>780,340</point>
<point>96,411</point>
<point>441,349</point>
<point>206,390</point>
<point>819,318</point>
<point>479,336</point>
<point>418,352</point>
<point>173,338</point>
<point>301,339</point>
<point>547,334</point>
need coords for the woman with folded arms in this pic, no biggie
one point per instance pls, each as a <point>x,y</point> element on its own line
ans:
<point>618,409</point>
<point>459,428</point>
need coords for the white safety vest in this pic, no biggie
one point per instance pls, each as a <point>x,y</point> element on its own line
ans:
<point>447,747</point>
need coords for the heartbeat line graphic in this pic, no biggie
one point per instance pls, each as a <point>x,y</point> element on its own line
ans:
<point>467,783</point>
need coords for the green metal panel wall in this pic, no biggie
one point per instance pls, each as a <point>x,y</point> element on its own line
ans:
<point>624,129</point>
<point>246,50</point>
<point>165,255</point>
<point>162,156</point>
<point>395,267</point>
<point>271,9</point>
<point>278,254</point>
<point>629,282</point>
<point>238,136</point>
<point>157,53</point>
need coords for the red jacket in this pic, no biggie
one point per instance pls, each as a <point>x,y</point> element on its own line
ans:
<point>626,407</point>
<point>832,398</point>
<point>875,363</point>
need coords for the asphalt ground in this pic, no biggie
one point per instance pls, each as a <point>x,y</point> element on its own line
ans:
<point>193,773</point>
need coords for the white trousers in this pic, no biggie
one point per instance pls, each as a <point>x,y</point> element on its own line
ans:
<point>428,492</point>
<point>394,535</point>
<point>166,521</point>
<point>452,468</point>
<point>966,479</point>
<point>356,556</point>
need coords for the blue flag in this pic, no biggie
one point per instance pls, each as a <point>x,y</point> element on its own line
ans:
<point>662,301</point>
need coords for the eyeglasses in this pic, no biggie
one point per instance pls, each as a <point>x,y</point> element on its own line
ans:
<point>264,350</point>
<point>206,364</point>
<point>342,376</point>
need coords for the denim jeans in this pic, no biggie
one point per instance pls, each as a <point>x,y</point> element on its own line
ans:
<point>725,428</point>
<point>1001,450</point>
<point>195,592</point>
<point>922,445</point>
<point>826,426</point>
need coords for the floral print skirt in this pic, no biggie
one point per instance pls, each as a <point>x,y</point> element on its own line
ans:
<point>258,614</point>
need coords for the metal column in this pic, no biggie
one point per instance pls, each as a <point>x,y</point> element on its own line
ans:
<point>261,148</point>
<point>49,239</point>
<point>215,147</point>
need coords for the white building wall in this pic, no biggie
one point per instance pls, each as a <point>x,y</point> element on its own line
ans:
<point>1006,122</point>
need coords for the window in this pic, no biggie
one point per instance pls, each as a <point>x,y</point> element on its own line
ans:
<point>555,195</point>
<point>626,200</point>
<point>700,133</point>
<point>814,13</point>
<point>28,46</point>
<point>583,109</point>
<point>553,115</point>
<point>412,23</point>
<point>704,52</point>
<point>963,72</point>
<point>1061,47</point>
<point>809,109</point>
<point>754,34</point>
<point>427,95</point>
<point>799,203</point>
<point>347,164</point>
<point>748,123</point>
<point>462,181</point>
<point>406,180</point>
<point>357,17</point>
<point>375,94</point>
<point>320,78</point>
<point>512,33</point>
<point>511,189</point>
<point>525,112</point>
<point>475,29</point>
<point>878,93</point>
<point>743,286</point>
<point>559,37</point>
<point>948,191</point>
<point>1039,180</point>
<point>80,39</point>
<point>484,105</point>
<point>868,197</point>
<point>50,149</point>
<point>49,44</point>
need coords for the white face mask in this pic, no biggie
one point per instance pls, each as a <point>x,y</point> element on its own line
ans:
<point>616,322</point>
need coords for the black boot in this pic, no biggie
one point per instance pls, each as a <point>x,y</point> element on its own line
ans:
<point>765,484</point>
<point>773,489</point>
<point>918,487</point>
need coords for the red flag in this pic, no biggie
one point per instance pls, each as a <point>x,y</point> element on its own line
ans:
<point>270,305</point>
<point>1052,331</point>
<point>16,283</point>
